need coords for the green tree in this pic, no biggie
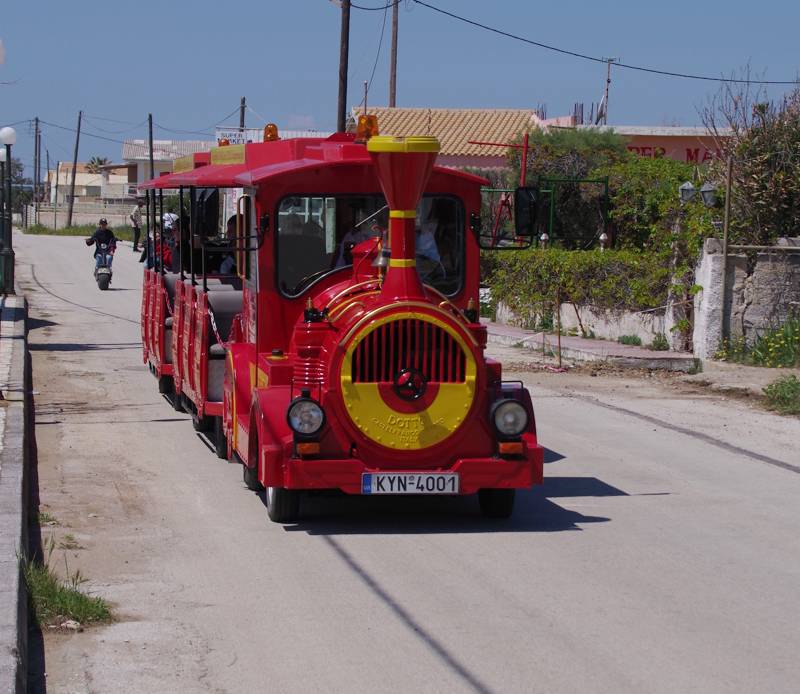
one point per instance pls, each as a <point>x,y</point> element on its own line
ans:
<point>763,137</point>
<point>94,164</point>
<point>22,192</point>
<point>576,209</point>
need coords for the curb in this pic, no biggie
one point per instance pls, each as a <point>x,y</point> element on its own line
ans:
<point>532,344</point>
<point>13,494</point>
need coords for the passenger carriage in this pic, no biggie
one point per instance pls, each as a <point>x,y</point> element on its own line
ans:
<point>345,350</point>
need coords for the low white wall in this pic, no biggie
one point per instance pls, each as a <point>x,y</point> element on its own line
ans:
<point>610,326</point>
<point>605,325</point>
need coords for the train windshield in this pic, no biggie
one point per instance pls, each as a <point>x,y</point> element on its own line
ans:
<point>317,233</point>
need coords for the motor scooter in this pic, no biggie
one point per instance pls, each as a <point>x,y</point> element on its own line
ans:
<point>102,271</point>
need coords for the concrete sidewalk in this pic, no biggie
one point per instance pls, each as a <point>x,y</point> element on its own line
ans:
<point>583,349</point>
<point>13,493</point>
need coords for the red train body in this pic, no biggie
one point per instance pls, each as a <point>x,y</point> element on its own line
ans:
<point>338,356</point>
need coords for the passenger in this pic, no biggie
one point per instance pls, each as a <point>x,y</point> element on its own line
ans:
<point>429,261</point>
<point>103,235</point>
<point>376,227</point>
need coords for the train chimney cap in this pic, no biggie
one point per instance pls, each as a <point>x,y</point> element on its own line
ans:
<point>407,145</point>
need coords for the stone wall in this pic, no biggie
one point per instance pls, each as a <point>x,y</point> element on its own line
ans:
<point>762,290</point>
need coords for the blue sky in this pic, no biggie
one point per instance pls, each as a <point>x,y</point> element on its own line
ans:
<point>190,62</point>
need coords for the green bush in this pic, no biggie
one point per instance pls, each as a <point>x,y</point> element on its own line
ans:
<point>779,347</point>
<point>634,340</point>
<point>530,282</point>
<point>783,395</point>
<point>659,343</point>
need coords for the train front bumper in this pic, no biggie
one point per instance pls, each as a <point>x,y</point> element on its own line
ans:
<point>517,472</point>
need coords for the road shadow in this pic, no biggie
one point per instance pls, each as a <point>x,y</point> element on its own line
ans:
<point>551,456</point>
<point>36,323</point>
<point>335,513</point>
<point>35,655</point>
<point>82,346</point>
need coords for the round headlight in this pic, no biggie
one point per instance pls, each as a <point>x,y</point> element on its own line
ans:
<point>305,417</point>
<point>510,418</point>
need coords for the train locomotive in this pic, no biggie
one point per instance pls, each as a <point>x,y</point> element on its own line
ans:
<point>338,346</point>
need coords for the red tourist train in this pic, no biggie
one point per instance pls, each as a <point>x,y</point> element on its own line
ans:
<point>314,308</point>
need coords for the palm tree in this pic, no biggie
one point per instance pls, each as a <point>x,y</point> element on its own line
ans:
<point>94,164</point>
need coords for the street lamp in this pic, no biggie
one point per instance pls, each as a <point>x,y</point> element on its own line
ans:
<point>8,137</point>
<point>708,193</point>
<point>2,195</point>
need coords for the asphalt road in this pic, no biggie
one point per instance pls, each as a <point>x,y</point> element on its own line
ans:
<point>661,555</point>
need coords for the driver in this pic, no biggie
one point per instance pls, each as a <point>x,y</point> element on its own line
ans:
<point>103,235</point>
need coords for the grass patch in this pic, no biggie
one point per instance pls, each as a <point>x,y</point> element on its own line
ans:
<point>634,340</point>
<point>69,542</point>
<point>122,233</point>
<point>55,599</point>
<point>779,347</point>
<point>783,395</point>
<point>46,518</point>
<point>659,343</point>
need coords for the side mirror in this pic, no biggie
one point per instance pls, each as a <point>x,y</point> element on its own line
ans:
<point>501,235</point>
<point>525,199</point>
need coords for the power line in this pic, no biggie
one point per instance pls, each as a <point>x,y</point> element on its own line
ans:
<point>115,132</point>
<point>594,59</point>
<point>380,45</point>
<point>176,131</point>
<point>83,132</point>
<point>369,9</point>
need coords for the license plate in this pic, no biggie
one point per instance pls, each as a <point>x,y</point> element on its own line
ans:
<point>409,483</point>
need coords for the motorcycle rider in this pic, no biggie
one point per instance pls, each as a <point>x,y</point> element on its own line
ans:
<point>103,235</point>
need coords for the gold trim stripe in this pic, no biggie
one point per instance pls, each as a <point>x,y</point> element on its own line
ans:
<point>402,262</point>
<point>403,214</point>
<point>230,154</point>
<point>182,164</point>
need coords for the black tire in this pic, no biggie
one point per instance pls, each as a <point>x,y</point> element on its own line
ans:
<point>496,503</point>
<point>283,505</point>
<point>220,442</point>
<point>103,281</point>
<point>203,424</point>
<point>250,478</point>
<point>177,402</point>
<point>165,385</point>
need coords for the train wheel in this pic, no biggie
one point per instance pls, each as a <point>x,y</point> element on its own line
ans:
<point>220,442</point>
<point>250,477</point>
<point>496,503</point>
<point>201,423</point>
<point>283,505</point>
<point>165,385</point>
<point>177,402</point>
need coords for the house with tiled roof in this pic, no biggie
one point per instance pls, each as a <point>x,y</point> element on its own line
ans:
<point>457,129</point>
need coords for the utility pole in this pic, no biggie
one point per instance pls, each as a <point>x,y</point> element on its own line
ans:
<point>608,84</point>
<point>242,107</point>
<point>341,120</point>
<point>35,164</point>
<point>74,169</point>
<point>150,131</point>
<point>55,200</point>
<point>393,61</point>
<point>47,169</point>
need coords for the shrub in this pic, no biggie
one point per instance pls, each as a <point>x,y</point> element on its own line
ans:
<point>659,343</point>
<point>530,282</point>
<point>783,395</point>
<point>630,340</point>
<point>779,347</point>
